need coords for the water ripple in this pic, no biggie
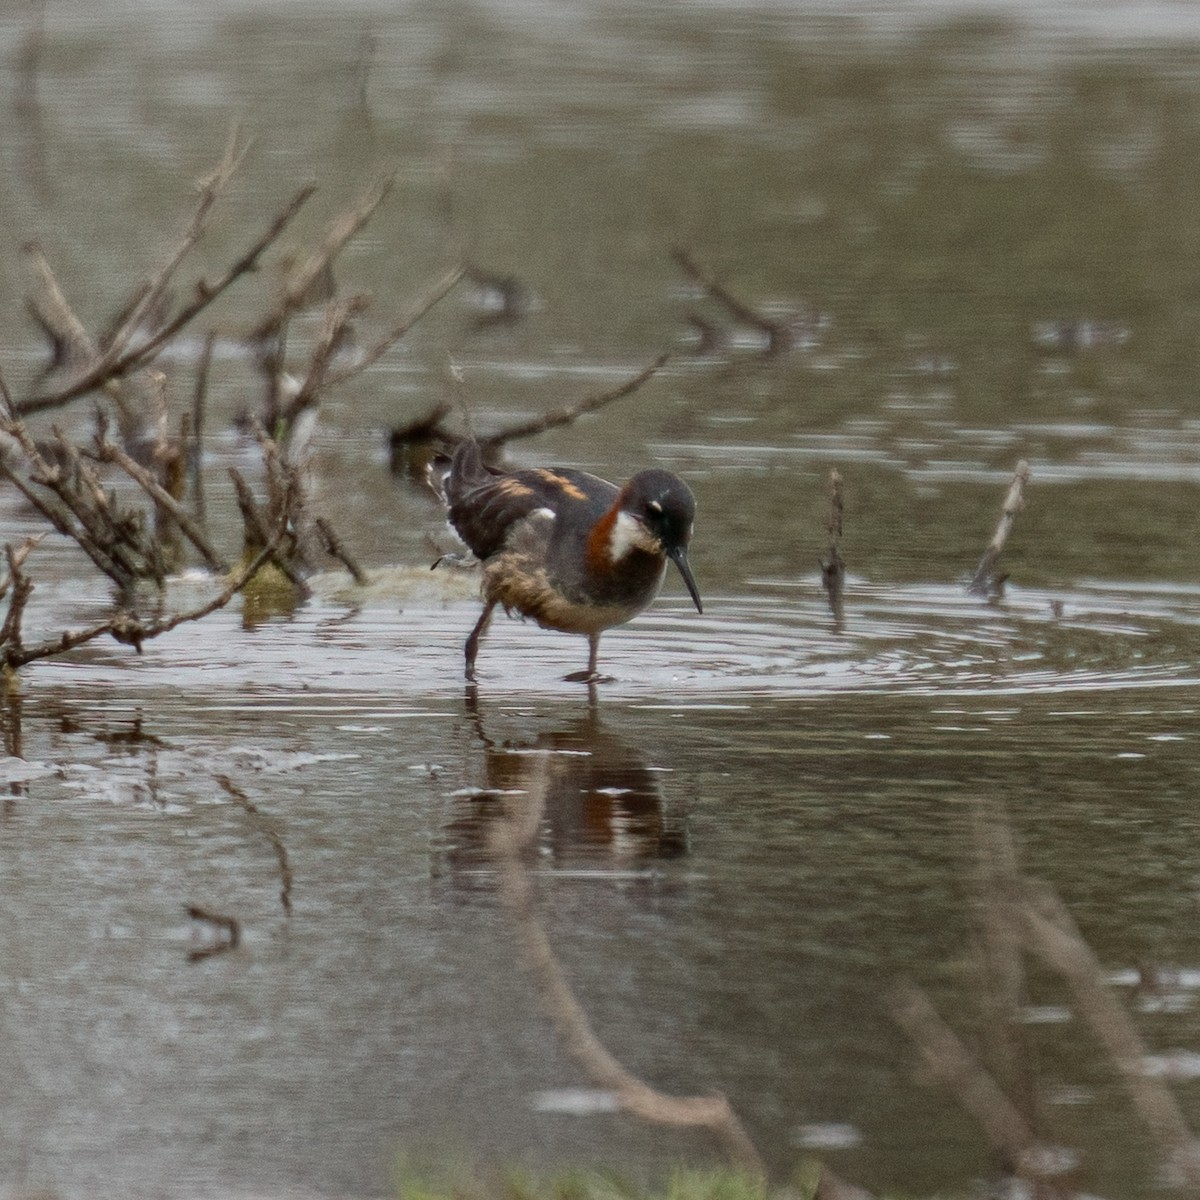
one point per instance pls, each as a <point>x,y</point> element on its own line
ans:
<point>376,663</point>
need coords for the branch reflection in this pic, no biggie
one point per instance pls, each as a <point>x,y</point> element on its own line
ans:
<point>581,792</point>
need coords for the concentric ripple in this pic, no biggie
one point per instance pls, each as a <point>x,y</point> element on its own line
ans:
<point>780,640</point>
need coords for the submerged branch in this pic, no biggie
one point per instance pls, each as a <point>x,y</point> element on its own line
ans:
<point>268,827</point>
<point>228,930</point>
<point>976,1091</point>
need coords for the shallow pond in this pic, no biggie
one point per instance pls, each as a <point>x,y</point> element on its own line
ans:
<point>981,230</point>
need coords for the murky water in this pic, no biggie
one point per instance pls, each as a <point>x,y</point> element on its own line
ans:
<point>981,232</point>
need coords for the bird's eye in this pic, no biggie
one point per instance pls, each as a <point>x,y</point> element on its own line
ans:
<point>654,506</point>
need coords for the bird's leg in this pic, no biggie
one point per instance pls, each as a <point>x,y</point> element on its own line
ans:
<point>591,675</point>
<point>485,619</point>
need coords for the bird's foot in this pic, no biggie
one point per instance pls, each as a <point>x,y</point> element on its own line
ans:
<point>589,677</point>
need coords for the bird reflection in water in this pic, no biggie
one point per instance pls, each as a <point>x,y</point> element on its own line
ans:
<point>588,802</point>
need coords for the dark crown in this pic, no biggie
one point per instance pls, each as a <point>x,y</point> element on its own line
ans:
<point>663,503</point>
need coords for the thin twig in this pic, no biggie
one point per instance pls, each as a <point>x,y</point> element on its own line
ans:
<point>369,357</point>
<point>301,280</point>
<point>779,335</point>
<point>110,452</point>
<point>22,588</point>
<point>205,294</point>
<point>334,547</point>
<point>125,628</point>
<point>17,555</point>
<point>338,315</point>
<point>196,450</point>
<point>564,416</point>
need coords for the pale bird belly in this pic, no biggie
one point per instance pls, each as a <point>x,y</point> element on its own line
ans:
<point>533,595</point>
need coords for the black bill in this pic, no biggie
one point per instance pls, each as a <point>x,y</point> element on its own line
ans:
<point>679,557</point>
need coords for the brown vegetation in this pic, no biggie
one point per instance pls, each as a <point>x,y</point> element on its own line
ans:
<point>136,434</point>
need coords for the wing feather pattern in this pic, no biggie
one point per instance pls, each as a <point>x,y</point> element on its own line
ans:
<point>484,504</point>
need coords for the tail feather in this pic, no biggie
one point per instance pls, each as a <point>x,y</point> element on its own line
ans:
<point>453,475</point>
<point>467,469</point>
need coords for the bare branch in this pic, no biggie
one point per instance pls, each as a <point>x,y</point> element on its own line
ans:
<point>57,517</point>
<point>334,547</point>
<point>564,416</point>
<point>48,306</point>
<point>22,588</point>
<point>985,582</point>
<point>435,292</point>
<point>126,628</point>
<point>206,293</point>
<point>153,291</point>
<point>255,527</point>
<point>338,314</point>
<point>302,280</point>
<point>779,334</point>
<point>108,452</point>
<point>119,534</point>
<point>16,558</point>
<point>80,515</point>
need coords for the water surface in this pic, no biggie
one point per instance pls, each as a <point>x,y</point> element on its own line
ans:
<point>978,224</point>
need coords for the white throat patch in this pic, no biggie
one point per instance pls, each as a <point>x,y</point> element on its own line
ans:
<point>628,533</point>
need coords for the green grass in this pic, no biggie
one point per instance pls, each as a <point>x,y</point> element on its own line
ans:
<point>469,1184</point>
<point>447,1181</point>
